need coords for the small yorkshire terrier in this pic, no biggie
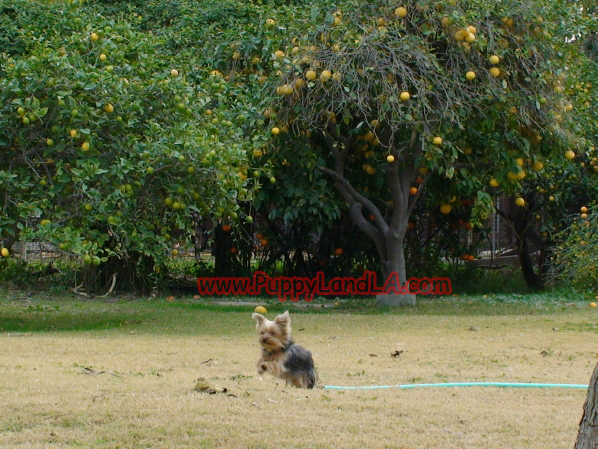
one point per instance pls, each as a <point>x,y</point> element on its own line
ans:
<point>280,356</point>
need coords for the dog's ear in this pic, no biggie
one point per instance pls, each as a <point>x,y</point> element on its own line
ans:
<point>284,321</point>
<point>259,318</point>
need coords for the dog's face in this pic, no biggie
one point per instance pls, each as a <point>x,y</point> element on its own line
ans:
<point>273,335</point>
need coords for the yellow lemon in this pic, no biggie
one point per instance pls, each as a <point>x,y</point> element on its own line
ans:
<point>401,12</point>
<point>310,75</point>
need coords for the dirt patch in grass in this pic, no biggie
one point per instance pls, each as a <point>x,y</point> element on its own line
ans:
<point>153,354</point>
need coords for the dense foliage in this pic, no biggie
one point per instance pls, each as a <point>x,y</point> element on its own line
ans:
<point>108,147</point>
<point>126,124</point>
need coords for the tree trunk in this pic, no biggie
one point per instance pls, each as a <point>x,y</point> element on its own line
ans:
<point>587,438</point>
<point>388,237</point>
<point>133,273</point>
<point>221,252</point>
<point>519,221</point>
<point>395,266</point>
<point>532,280</point>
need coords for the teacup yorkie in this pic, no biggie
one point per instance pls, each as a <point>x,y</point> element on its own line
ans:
<point>280,356</point>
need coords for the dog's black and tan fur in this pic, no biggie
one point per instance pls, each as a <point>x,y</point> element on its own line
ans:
<point>280,356</point>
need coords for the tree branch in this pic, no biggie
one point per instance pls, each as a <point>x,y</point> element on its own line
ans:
<point>371,231</point>
<point>356,196</point>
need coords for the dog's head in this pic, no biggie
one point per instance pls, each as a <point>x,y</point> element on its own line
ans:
<point>273,335</point>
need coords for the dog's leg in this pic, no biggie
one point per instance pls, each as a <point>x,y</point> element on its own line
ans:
<point>274,368</point>
<point>298,381</point>
<point>261,366</point>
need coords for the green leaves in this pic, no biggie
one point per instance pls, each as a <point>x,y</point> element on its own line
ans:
<point>99,156</point>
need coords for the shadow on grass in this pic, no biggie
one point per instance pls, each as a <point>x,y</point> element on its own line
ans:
<point>156,316</point>
<point>45,318</point>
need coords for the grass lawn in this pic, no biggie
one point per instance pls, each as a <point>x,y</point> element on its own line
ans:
<point>153,351</point>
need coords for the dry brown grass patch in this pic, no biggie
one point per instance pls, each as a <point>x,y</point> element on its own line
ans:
<point>48,403</point>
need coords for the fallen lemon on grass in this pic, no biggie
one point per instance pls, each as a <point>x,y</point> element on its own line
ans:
<point>592,304</point>
<point>260,309</point>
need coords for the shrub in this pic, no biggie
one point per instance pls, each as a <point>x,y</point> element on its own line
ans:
<point>575,258</point>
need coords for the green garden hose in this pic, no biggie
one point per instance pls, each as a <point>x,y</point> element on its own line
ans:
<point>461,384</point>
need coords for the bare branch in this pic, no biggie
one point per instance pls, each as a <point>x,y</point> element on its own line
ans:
<point>358,197</point>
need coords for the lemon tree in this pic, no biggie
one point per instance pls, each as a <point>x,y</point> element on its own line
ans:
<point>457,132</point>
<point>107,146</point>
<point>570,195</point>
<point>565,191</point>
